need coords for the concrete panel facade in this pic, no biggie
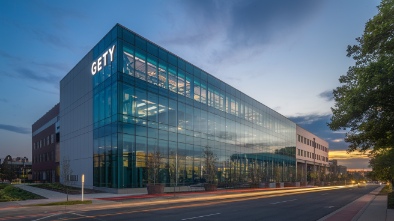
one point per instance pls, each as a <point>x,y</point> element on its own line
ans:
<point>76,109</point>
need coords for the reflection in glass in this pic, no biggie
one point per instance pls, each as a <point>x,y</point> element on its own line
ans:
<point>140,66</point>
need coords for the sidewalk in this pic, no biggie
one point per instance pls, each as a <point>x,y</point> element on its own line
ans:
<point>366,208</point>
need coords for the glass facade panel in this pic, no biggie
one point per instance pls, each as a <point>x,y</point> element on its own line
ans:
<point>172,79</point>
<point>140,65</point>
<point>169,106</point>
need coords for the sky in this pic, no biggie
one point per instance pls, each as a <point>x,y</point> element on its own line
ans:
<point>285,54</point>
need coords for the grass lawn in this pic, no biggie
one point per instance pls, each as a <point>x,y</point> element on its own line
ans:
<point>73,202</point>
<point>63,189</point>
<point>10,193</point>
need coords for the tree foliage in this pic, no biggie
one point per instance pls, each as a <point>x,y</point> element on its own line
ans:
<point>364,103</point>
<point>153,161</point>
<point>210,160</point>
<point>7,170</point>
<point>66,173</point>
<point>382,163</point>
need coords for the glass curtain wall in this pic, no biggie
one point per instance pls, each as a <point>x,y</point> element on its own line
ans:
<point>106,162</point>
<point>163,107</point>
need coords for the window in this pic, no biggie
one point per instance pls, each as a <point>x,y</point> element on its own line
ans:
<point>172,80</point>
<point>203,94</point>
<point>128,61</point>
<point>188,86</point>
<point>152,71</point>
<point>140,66</point>
<point>163,75</point>
<point>197,90</point>
<point>181,83</point>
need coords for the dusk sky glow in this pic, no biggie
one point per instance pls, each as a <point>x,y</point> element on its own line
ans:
<point>285,54</point>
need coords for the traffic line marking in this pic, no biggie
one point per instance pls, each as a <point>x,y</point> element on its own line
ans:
<point>45,217</point>
<point>283,201</point>
<point>197,217</point>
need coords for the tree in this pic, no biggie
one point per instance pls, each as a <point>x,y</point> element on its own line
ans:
<point>210,160</point>
<point>8,172</point>
<point>382,163</point>
<point>278,174</point>
<point>66,173</point>
<point>364,103</point>
<point>153,166</point>
<point>173,168</point>
<point>255,172</point>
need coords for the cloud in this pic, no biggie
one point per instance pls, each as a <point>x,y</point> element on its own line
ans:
<point>343,154</point>
<point>256,22</point>
<point>8,56</point>
<point>54,38</point>
<point>355,163</point>
<point>354,160</point>
<point>44,91</point>
<point>317,124</point>
<point>239,29</point>
<point>54,65</point>
<point>327,95</point>
<point>21,130</point>
<point>60,14</point>
<point>25,73</point>
<point>308,119</point>
<point>3,100</point>
<point>51,38</point>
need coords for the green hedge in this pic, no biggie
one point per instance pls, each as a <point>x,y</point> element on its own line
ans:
<point>390,200</point>
<point>73,202</point>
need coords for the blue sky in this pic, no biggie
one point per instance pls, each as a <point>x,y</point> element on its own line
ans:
<point>286,54</point>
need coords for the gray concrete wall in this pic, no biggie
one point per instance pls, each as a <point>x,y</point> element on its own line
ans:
<point>76,121</point>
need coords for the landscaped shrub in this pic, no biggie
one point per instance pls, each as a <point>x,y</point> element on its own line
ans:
<point>11,193</point>
<point>390,200</point>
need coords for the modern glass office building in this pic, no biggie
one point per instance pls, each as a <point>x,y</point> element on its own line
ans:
<point>144,101</point>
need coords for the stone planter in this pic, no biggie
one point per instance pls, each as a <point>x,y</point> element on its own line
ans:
<point>289,184</point>
<point>263,185</point>
<point>210,187</point>
<point>155,188</point>
<point>254,185</point>
<point>272,185</point>
<point>292,184</point>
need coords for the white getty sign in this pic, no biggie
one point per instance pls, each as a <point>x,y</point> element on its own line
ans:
<point>102,61</point>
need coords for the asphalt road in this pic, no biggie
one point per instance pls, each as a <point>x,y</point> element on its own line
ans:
<point>303,207</point>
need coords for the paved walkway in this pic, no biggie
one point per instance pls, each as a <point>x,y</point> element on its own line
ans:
<point>368,207</point>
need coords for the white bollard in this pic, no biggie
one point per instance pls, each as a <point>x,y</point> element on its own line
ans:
<point>83,181</point>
